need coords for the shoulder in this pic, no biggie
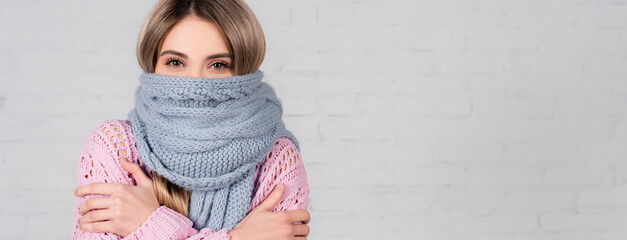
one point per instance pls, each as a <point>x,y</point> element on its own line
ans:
<point>283,156</point>
<point>114,137</point>
<point>101,152</point>
<point>282,164</point>
<point>110,136</point>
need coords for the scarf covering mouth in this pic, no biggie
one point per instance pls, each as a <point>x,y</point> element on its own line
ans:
<point>207,135</point>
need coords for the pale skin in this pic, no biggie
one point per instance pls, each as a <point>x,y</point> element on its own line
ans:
<point>193,48</point>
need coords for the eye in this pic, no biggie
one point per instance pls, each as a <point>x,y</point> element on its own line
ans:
<point>174,62</point>
<point>219,65</point>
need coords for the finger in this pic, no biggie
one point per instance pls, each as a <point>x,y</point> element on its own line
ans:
<point>104,226</point>
<point>272,200</point>
<point>299,215</point>
<point>94,203</point>
<point>301,230</point>
<point>138,174</point>
<point>96,188</point>
<point>95,216</point>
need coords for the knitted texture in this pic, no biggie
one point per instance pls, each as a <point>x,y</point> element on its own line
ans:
<point>207,135</point>
<point>112,140</point>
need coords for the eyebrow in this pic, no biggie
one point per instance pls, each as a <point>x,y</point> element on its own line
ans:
<point>182,55</point>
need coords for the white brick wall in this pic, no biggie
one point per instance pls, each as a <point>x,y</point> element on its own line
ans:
<point>430,119</point>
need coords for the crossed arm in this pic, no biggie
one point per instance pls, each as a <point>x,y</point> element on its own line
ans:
<point>102,160</point>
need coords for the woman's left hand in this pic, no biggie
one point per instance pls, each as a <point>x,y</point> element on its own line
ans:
<point>124,209</point>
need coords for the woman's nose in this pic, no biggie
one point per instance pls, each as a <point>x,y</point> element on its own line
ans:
<point>196,74</point>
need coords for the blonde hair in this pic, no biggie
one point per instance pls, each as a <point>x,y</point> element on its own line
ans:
<point>240,28</point>
<point>245,41</point>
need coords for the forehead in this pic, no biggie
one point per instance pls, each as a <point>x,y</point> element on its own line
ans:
<point>195,37</point>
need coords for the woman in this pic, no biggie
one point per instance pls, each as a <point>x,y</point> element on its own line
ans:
<point>204,154</point>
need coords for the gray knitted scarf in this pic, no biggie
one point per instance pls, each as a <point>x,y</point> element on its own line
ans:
<point>207,135</point>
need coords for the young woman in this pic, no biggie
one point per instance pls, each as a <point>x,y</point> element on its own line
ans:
<point>204,153</point>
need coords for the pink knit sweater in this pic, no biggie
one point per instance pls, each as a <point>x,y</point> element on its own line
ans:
<point>113,140</point>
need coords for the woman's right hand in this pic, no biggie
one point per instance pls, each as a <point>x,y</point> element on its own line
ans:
<point>264,224</point>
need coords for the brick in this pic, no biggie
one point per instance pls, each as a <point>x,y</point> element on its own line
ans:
<point>614,197</point>
<point>512,223</point>
<point>305,128</point>
<point>5,65</point>
<point>583,223</point>
<point>578,176</point>
<point>271,13</point>
<point>359,128</point>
